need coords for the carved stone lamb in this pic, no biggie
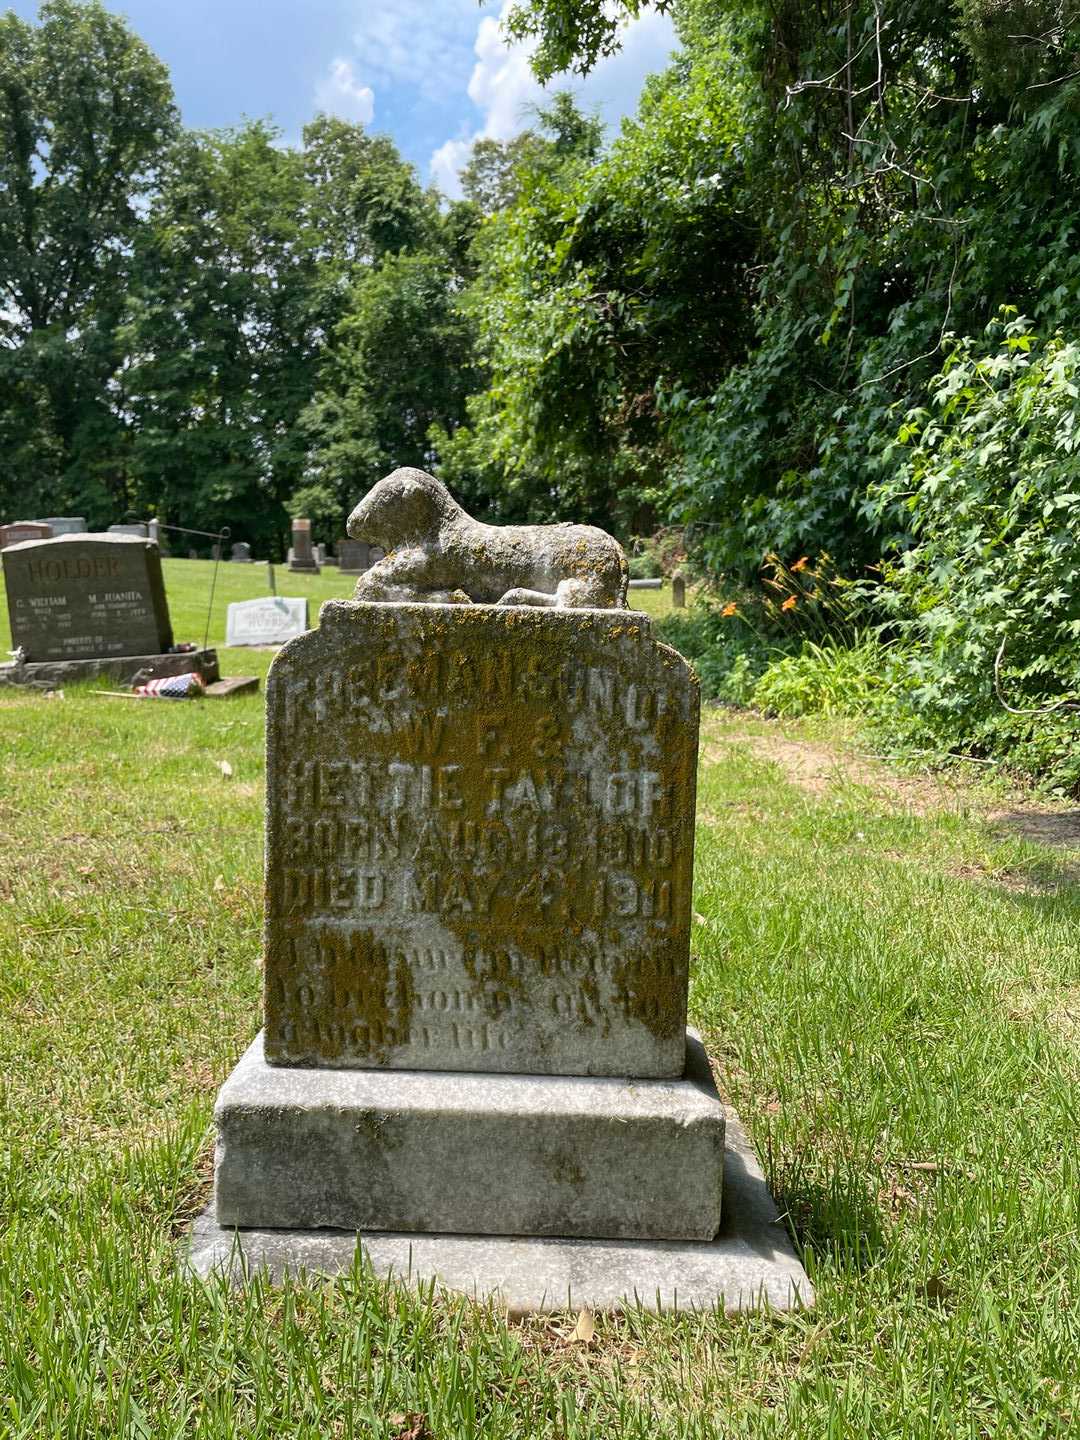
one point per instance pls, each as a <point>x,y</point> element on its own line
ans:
<point>439,554</point>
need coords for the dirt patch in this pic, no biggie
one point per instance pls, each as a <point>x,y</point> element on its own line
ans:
<point>1046,827</point>
<point>820,769</point>
<point>1020,882</point>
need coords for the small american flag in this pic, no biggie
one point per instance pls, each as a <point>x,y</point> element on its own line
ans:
<point>174,687</point>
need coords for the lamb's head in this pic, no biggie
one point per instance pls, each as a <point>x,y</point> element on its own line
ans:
<point>407,506</point>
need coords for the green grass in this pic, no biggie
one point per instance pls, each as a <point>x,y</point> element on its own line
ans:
<point>893,1002</point>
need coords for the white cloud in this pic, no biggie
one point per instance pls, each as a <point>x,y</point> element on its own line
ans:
<point>420,44</point>
<point>505,91</point>
<point>340,93</point>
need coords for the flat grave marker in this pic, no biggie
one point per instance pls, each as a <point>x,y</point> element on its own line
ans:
<point>269,621</point>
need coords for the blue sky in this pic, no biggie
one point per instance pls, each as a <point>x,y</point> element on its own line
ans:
<point>434,74</point>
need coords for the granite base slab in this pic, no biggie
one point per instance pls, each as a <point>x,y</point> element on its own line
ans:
<point>751,1263</point>
<point>119,669</point>
<point>232,686</point>
<point>433,1152</point>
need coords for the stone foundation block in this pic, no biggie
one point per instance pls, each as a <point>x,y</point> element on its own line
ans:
<point>115,669</point>
<point>437,1152</point>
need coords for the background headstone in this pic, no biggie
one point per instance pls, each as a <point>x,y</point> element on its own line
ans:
<point>678,590</point>
<point>241,553</point>
<point>266,622</point>
<point>86,596</point>
<point>21,530</point>
<point>302,555</point>
<point>320,554</point>
<point>64,524</point>
<point>480,842</point>
<point>354,556</point>
<point>132,529</point>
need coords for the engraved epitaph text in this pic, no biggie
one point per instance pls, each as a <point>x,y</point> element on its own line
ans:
<point>86,596</point>
<point>479,842</point>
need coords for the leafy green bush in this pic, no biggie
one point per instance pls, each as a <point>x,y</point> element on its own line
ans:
<point>792,611</point>
<point>653,556</point>
<point>828,679</point>
<point>728,654</point>
<point>983,588</point>
<point>645,565</point>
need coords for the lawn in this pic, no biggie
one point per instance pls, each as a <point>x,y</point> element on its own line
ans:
<point>891,994</point>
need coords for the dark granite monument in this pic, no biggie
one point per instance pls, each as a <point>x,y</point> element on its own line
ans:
<point>84,605</point>
<point>356,556</point>
<point>77,597</point>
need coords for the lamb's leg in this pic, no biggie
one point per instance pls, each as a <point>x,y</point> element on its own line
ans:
<point>528,597</point>
<point>408,575</point>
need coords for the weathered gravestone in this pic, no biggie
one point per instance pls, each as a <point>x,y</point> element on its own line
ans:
<point>478,886</point>
<point>301,553</point>
<point>82,605</point>
<point>241,553</point>
<point>678,590</point>
<point>136,528</point>
<point>485,816</point>
<point>22,530</point>
<point>271,621</point>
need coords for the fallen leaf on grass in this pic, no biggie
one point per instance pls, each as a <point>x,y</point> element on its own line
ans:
<point>54,694</point>
<point>225,768</point>
<point>410,1427</point>
<point>219,884</point>
<point>936,1289</point>
<point>585,1329</point>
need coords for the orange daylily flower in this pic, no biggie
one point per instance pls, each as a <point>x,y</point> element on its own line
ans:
<point>789,603</point>
<point>800,565</point>
<point>729,609</point>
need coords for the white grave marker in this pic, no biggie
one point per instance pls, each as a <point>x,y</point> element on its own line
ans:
<point>270,621</point>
